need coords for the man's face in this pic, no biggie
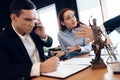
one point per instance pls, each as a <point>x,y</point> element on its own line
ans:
<point>25,22</point>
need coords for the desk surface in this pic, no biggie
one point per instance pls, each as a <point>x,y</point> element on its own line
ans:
<point>89,74</point>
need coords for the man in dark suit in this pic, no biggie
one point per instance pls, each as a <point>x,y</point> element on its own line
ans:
<point>21,48</point>
<point>112,23</point>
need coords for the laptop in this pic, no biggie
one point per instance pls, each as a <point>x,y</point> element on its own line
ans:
<point>115,39</point>
<point>117,68</point>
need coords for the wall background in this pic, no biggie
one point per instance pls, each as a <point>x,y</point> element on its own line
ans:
<point>4,8</point>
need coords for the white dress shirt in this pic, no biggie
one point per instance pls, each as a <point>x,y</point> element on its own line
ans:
<point>33,53</point>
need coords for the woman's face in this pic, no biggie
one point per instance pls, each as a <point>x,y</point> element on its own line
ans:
<point>69,20</point>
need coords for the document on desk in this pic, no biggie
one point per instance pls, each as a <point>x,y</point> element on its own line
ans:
<point>69,67</point>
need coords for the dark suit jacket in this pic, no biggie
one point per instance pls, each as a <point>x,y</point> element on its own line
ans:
<point>112,23</point>
<point>15,63</point>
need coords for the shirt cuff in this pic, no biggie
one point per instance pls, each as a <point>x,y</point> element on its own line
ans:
<point>35,71</point>
<point>82,49</point>
<point>45,39</point>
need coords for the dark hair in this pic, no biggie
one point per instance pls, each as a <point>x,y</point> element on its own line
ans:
<point>17,5</point>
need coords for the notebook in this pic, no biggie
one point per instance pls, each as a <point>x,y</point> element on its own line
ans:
<point>69,67</point>
<point>115,39</point>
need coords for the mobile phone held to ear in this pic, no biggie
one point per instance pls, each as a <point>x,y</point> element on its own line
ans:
<point>78,23</point>
<point>34,27</point>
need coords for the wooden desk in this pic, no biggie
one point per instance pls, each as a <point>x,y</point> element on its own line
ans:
<point>89,74</point>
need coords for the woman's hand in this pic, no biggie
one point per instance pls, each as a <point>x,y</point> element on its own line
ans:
<point>72,48</point>
<point>85,31</point>
<point>59,53</point>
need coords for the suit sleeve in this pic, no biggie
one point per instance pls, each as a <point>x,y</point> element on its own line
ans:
<point>48,42</point>
<point>11,68</point>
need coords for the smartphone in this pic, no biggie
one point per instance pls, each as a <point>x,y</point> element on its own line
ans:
<point>34,27</point>
<point>78,24</point>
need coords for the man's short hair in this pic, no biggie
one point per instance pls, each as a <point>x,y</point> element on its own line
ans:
<point>17,5</point>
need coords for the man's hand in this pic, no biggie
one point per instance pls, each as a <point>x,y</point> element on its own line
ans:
<point>40,29</point>
<point>85,31</point>
<point>49,65</point>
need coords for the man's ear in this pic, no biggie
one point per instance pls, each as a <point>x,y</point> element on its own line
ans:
<point>13,17</point>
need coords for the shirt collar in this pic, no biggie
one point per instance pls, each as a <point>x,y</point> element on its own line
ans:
<point>72,31</point>
<point>21,36</point>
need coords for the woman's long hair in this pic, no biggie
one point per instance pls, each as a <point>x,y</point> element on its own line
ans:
<point>61,18</point>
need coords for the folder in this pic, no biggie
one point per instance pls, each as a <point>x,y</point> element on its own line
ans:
<point>69,67</point>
